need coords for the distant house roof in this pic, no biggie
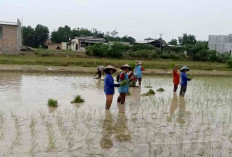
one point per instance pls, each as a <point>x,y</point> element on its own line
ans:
<point>8,23</point>
<point>90,39</point>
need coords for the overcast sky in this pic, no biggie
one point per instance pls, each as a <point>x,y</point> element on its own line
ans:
<point>137,18</point>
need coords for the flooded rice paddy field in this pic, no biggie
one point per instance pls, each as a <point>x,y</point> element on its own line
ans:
<point>161,125</point>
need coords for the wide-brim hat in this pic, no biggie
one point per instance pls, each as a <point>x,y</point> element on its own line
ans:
<point>110,67</point>
<point>125,66</point>
<point>139,62</point>
<point>184,68</point>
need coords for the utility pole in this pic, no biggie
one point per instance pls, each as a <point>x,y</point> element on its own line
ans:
<point>161,41</point>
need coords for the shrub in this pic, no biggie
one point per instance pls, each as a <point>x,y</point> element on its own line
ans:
<point>229,62</point>
<point>98,49</point>
<point>52,103</point>
<point>144,54</point>
<point>78,99</point>
<point>137,47</point>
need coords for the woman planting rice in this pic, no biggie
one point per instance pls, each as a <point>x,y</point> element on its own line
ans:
<point>124,83</point>
<point>184,80</point>
<point>139,72</point>
<point>109,85</point>
<point>176,78</point>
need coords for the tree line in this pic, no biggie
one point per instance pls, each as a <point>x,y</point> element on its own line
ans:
<point>36,37</point>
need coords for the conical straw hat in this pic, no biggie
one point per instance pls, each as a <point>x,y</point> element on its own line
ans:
<point>184,68</point>
<point>126,66</point>
<point>110,67</point>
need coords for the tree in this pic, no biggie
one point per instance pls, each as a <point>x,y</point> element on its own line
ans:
<point>114,33</point>
<point>61,35</point>
<point>187,39</point>
<point>128,39</point>
<point>173,42</point>
<point>28,35</point>
<point>41,35</point>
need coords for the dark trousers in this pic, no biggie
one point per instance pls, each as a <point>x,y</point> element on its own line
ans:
<point>122,98</point>
<point>140,81</point>
<point>183,90</point>
<point>99,73</point>
<point>175,88</point>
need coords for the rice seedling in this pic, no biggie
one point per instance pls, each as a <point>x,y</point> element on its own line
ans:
<point>52,103</point>
<point>78,99</point>
<point>51,136</point>
<point>149,93</point>
<point>160,90</point>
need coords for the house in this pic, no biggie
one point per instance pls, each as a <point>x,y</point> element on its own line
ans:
<point>159,43</point>
<point>52,46</point>
<point>80,43</point>
<point>119,42</point>
<point>220,43</point>
<point>10,37</point>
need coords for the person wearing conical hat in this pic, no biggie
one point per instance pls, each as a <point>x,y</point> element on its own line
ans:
<point>184,80</point>
<point>124,83</point>
<point>99,71</point>
<point>109,85</point>
<point>139,72</point>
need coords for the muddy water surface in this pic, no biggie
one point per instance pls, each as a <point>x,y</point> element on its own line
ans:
<point>159,125</point>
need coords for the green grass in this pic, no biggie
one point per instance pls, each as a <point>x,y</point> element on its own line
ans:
<point>78,99</point>
<point>94,61</point>
<point>52,103</point>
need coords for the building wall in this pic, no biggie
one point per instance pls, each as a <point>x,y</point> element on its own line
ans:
<point>220,43</point>
<point>19,35</point>
<point>8,44</point>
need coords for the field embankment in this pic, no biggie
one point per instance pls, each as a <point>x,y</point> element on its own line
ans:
<point>91,70</point>
<point>94,62</point>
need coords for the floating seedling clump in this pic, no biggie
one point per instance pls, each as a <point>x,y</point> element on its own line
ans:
<point>52,103</point>
<point>78,99</point>
<point>148,86</point>
<point>160,90</point>
<point>149,93</point>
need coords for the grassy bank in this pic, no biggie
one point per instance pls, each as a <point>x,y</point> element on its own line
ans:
<point>93,62</point>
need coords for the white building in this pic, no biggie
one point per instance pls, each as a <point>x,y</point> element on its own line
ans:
<point>80,43</point>
<point>220,43</point>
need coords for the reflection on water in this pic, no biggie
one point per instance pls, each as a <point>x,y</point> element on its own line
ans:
<point>121,128</point>
<point>181,111</point>
<point>107,131</point>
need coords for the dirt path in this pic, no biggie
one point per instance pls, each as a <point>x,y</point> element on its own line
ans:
<point>91,70</point>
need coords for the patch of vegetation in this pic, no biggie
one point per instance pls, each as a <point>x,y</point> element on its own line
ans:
<point>124,82</point>
<point>128,93</point>
<point>52,103</point>
<point>78,99</point>
<point>160,90</point>
<point>94,62</point>
<point>148,86</point>
<point>149,93</point>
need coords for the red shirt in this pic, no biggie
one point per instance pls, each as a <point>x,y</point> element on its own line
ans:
<point>176,77</point>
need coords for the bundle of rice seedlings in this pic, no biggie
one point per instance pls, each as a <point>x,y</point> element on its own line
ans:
<point>52,103</point>
<point>78,99</point>
<point>149,93</point>
<point>160,90</point>
<point>124,82</point>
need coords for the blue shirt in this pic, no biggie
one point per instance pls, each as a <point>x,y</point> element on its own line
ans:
<point>184,79</point>
<point>138,71</point>
<point>125,88</point>
<point>109,85</point>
